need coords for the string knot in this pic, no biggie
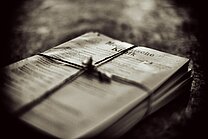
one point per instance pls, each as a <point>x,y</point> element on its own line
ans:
<point>88,64</point>
<point>103,76</point>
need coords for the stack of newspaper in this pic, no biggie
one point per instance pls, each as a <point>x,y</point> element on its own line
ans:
<point>55,92</point>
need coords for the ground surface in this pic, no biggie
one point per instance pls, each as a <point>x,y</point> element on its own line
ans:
<point>171,26</point>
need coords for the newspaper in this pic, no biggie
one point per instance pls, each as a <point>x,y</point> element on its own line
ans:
<point>85,106</point>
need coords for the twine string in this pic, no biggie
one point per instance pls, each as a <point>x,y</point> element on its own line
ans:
<point>87,66</point>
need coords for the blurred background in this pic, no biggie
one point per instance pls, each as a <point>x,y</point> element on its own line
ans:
<point>179,27</point>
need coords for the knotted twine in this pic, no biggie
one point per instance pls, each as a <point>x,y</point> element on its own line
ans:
<point>89,68</point>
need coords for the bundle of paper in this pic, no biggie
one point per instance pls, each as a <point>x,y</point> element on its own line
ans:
<point>65,95</point>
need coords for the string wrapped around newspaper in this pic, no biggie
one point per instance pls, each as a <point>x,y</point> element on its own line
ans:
<point>92,69</point>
